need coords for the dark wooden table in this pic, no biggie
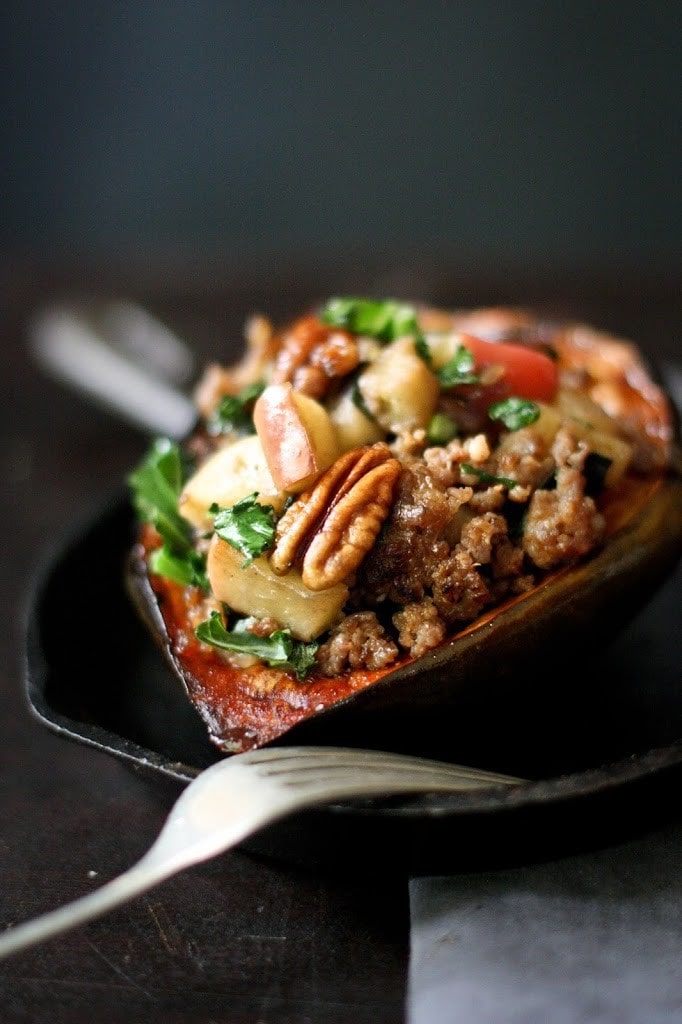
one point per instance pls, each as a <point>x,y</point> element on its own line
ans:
<point>241,938</point>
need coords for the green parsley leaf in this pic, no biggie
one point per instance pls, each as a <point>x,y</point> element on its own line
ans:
<point>248,526</point>
<point>384,320</point>
<point>278,650</point>
<point>188,569</point>
<point>235,412</point>
<point>302,657</point>
<point>488,478</point>
<point>358,400</point>
<point>458,369</point>
<point>441,429</point>
<point>422,349</point>
<point>515,412</point>
<point>156,485</point>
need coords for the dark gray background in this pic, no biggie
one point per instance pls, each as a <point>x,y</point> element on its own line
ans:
<point>520,132</point>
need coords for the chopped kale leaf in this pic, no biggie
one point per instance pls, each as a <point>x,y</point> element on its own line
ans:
<point>358,400</point>
<point>235,412</point>
<point>423,351</point>
<point>488,478</point>
<point>458,370</point>
<point>384,320</point>
<point>188,569</point>
<point>156,486</point>
<point>278,650</point>
<point>441,429</point>
<point>515,412</point>
<point>248,526</point>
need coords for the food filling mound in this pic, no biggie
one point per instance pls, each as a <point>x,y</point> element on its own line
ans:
<point>369,480</point>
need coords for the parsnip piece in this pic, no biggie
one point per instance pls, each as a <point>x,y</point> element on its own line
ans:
<point>591,423</point>
<point>614,448</point>
<point>257,590</point>
<point>353,428</point>
<point>227,476</point>
<point>398,388</point>
<point>298,437</point>
<point>584,412</point>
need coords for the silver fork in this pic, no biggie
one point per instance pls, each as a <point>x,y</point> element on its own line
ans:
<point>236,797</point>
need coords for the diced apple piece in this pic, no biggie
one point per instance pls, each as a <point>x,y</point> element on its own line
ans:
<point>256,590</point>
<point>297,435</point>
<point>443,345</point>
<point>398,388</point>
<point>226,477</point>
<point>353,427</point>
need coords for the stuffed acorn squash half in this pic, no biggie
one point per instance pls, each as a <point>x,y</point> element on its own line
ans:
<point>384,506</point>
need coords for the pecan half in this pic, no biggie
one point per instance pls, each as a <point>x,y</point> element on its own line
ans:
<point>331,527</point>
<point>312,354</point>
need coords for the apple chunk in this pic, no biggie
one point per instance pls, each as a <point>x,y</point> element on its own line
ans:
<point>398,388</point>
<point>353,427</point>
<point>297,435</point>
<point>225,478</point>
<point>256,590</point>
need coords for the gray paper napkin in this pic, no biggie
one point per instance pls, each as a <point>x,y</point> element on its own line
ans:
<point>595,937</point>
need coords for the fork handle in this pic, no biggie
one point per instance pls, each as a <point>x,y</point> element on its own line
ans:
<point>139,878</point>
<point>65,345</point>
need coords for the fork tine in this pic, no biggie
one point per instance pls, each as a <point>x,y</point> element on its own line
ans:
<point>315,760</point>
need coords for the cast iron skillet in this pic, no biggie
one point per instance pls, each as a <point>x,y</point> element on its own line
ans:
<point>602,749</point>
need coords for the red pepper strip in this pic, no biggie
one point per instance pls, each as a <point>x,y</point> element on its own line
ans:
<point>527,372</point>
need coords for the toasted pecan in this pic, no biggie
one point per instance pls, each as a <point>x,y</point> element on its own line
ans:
<point>313,354</point>
<point>331,527</point>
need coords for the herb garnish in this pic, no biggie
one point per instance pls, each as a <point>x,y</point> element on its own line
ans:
<point>358,400</point>
<point>488,478</point>
<point>235,412</point>
<point>515,412</point>
<point>188,569</point>
<point>248,526</point>
<point>458,369</point>
<point>156,485</point>
<point>441,429</point>
<point>384,320</point>
<point>279,650</point>
<point>421,347</point>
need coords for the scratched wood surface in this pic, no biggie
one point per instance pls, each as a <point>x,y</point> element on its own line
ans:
<point>239,939</point>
